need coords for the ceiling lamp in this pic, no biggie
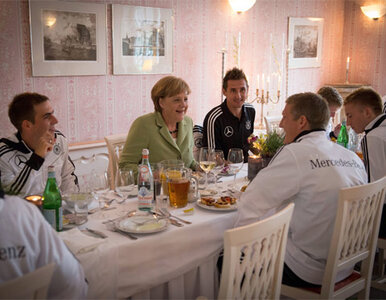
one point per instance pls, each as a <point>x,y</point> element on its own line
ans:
<point>240,6</point>
<point>374,11</point>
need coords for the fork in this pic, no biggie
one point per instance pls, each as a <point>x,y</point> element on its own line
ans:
<point>169,215</point>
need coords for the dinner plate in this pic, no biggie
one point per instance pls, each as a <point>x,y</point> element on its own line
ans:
<point>214,208</point>
<point>142,224</point>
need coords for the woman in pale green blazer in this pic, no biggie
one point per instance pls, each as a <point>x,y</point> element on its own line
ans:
<point>167,132</point>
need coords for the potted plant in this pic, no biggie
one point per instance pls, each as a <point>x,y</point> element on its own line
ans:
<point>263,148</point>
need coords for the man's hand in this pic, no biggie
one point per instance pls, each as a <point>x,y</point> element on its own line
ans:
<point>45,145</point>
<point>337,129</point>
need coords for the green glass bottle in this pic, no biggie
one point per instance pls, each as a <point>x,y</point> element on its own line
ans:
<point>343,135</point>
<point>52,202</point>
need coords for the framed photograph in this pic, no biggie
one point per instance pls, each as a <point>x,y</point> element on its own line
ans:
<point>142,40</point>
<point>68,38</point>
<point>305,36</point>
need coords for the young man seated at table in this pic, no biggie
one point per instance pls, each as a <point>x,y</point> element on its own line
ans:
<point>26,155</point>
<point>335,102</point>
<point>308,170</point>
<point>27,242</point>
<point>229,124</point>
<point>363,109</point>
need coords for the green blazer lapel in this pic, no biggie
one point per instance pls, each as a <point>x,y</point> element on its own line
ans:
<point>164,130</point>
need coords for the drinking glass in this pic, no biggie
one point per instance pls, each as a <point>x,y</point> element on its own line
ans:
<point>124,182</point>
<point>207,161</point>
<point>219,163</point>
<point>100,186</point>
<point>235,161</point>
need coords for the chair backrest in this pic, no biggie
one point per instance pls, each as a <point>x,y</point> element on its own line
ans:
<point>115,145</point>
<point>272,123</point>
<point>33,285</point>
<point>87,166</point>
<point>198,132</point>
<point>355,236</point>
<point>254,258</point>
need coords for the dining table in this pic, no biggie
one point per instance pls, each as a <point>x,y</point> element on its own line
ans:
<point>176,263</point>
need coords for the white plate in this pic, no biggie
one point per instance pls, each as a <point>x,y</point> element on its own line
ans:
<point>206,193</point>
<point>231,208</point>
<point>150,224</point>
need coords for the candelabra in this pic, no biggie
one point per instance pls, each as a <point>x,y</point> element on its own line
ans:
<point>264,99</point>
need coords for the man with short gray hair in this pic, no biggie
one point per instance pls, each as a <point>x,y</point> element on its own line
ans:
<point>309,170</point>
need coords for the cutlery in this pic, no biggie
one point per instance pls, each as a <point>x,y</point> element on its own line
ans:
<point>97,233</point>
<point>94,210</point>
<point>169,215</point>
<point>115,229</point>
<point>129,214</point>
<point>172,221</point>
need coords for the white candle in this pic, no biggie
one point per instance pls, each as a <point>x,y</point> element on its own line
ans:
<point>263,82</point>
<point>268,83</point>
<point>279,83</point>
<point>258,81</point>
<point>348,63</point>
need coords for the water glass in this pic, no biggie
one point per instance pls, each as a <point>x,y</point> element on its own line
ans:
<point>124,182</point>
<point>100,185</point>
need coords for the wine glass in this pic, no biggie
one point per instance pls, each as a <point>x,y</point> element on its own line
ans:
<point>219,163</point>
<point>207,162</point>
<point>124,183</point>
<point>235,160</point>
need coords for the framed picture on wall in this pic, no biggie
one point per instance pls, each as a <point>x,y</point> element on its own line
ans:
<point>305,36</point>
<point>68,38</point>
<point>142,40</point>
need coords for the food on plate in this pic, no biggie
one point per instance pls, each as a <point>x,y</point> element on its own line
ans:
<point>230,200</point>
<point>222,202</point>
<point>208,201</point>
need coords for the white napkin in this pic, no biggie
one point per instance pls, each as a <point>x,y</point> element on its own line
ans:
<point>79,242</point>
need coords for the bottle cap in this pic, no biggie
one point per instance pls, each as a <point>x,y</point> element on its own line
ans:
<point>145,151</point>
<point>51,168</point>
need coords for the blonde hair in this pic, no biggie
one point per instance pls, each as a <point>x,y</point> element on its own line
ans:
<point>167,87</point>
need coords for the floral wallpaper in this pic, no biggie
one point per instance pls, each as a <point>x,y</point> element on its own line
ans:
<point>90,107</point>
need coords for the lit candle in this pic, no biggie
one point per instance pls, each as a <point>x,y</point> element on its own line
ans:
<point>35,199</point>
<point>258,81</point>
<point>348,63</point>
<point>263,82</point>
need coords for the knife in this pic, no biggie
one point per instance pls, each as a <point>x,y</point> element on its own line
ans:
<point>97,233</point>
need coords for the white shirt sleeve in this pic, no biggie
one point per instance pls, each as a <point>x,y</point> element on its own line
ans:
<point>272,188</point>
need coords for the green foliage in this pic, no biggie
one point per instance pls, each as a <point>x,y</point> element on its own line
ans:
<point>265,145</point>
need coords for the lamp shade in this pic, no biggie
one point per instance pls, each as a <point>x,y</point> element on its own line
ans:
<point>374,11</point>
<point>241,5</point>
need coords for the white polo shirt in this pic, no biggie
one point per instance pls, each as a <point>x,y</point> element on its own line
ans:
<point>28,242</point>
<point>309,172</point>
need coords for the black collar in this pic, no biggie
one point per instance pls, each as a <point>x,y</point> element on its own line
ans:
<point>376,124</point>
<point>306,132</point>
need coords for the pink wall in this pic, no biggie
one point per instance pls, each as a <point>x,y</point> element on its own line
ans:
<point>90,107</point>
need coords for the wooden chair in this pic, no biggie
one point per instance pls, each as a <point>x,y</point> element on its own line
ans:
<point>33,285</point>
<point>354,240</point>
<point>254,258</point>
<point>115,145</point>
<point>380,282</point>
<point>272,124</point>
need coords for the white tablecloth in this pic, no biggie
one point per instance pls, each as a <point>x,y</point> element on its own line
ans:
<point>179,262</point>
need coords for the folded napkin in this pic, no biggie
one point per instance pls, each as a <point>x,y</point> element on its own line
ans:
<point>79,242</point>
